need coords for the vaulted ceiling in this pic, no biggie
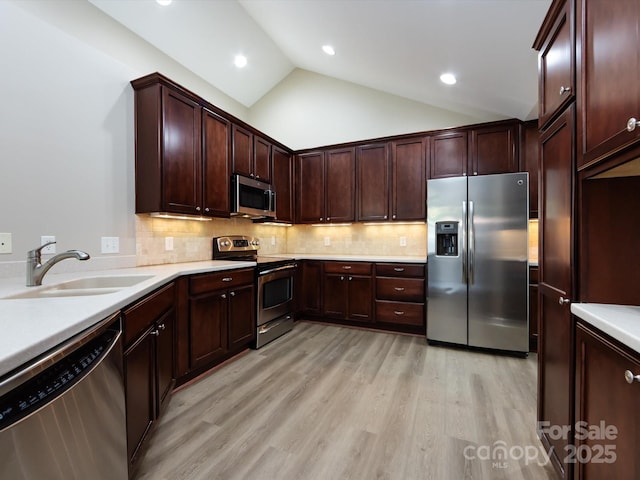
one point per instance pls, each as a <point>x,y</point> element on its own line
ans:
<point>396,46</point>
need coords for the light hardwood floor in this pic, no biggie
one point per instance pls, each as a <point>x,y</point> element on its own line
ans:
<point>326,402</point>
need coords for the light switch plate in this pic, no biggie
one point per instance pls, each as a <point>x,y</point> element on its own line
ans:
<point>5,243</point>
<point>327,241</point>
<point>110,245</point>
<point>51,249</point>
<point>403,241</point>
<point>168,243</point>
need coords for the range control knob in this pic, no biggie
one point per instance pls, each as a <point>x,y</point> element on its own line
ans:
<point>255,243</point>
<point>225,243</point>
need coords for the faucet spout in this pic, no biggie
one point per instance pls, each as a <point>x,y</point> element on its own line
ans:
<point>36,270</point>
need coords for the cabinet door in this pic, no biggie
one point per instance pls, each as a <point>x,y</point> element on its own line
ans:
<point>529,162</point>
<point>556,66</point>
<point>310,187</point>
<point>335,296</point>
<point>605,399</point>
<point>242,151</point>
<point>139,373</point>
<point>360,298</point>
<point>242,317</point>
<point>372,165</point>
<point>309,295</point>
<point>165,328</point>
<point>533,309</point>
<point>449,155</point>
<point>283,185</point>
<point>493,150</point>
<point>208,328</point>
<point>555,357</point>
<point>609,71</point>
<point>181,156</point>
<point>261,159</point>
<point>340,185</point>
<point>408,180</point>
<point>216,149</point>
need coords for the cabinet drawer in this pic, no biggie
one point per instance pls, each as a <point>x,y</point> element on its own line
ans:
<point>352,268</point>
<point>400,269</point>
<point>400,312</point>
<point>533,275</point>
<point>401,289</point>
<point>209,282</point>
<point>142,314</point>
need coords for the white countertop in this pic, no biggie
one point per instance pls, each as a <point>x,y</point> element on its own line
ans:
<point>31,327</point>
<point>356,258</point>
<point>621,322</point>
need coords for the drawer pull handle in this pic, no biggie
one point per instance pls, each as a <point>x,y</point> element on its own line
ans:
<point>399,289</point>
<point>347,267</point>
<point>398,269</point>
<point>630,377</point>
<point>227,279</point>
<point>398,312</point>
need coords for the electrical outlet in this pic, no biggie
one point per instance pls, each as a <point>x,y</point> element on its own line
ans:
<point>168,243</point>
<point>110,245</point>
<point>403,241</point>
<point>5,243</point>
<point>273,240</point>
<point>327,241</point>
<point>51,249</point>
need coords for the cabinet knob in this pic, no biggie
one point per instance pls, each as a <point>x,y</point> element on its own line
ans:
<point>197,209</point>
<point>233,294</point>
<point>251,175</point>
<point>350,278</point>
<point>630,377</point>
<point>320,218</point>
<point>563,301</point>
<point>154,333</point>
<point>223,296</point>
<point>564,89</point>
<point>161,326</point>
<point>386,216</point>
<point>632,124</point>
<point>206,209</point>
<point>394,216</point>
<point>257,177</point>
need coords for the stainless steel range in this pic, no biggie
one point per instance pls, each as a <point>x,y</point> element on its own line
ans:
<point>274,284</point>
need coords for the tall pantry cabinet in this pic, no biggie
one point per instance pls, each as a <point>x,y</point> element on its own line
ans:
<point>556,69</point>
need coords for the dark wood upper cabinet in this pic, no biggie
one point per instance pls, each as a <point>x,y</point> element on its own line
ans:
<point>609,66</point>
<point>493,150</point>
<point>261,159</point>
<point>283,184</point>
<point>242,151</point>
<point>216,156</point>
<point>409,179</point>
<point>325,186</point>
<point>556,62</point>
<point>310,187</point>
<point>340,185</point>
<point>449,154</point>
<point>372,167</point>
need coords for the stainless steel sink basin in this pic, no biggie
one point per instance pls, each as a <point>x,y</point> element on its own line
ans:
<point>85,287</point>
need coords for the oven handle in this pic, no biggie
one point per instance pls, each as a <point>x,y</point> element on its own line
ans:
<point>278,269</point>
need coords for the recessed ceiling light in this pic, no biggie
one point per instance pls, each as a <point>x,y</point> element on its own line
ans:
<point>240,61</point>
<point>448,78</point>
<point>328,49</point>
<point>164,3</point>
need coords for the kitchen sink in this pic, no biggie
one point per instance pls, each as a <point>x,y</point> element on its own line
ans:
<point>84,287</point>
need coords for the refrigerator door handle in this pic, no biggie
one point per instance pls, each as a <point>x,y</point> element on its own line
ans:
<point>472,243</point>
<point>463,243</point>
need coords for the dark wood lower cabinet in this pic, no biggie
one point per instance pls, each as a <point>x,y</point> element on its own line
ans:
<point>309,293</point>
<point>207,328</point>
<point>533,309</point>
<point>149,328</point>
<point>607,428</point>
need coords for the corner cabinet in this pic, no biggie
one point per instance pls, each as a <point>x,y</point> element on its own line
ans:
<point>182,151</point>
<point>325,186</point>
<point>608,115</point>
<point>607,395</point>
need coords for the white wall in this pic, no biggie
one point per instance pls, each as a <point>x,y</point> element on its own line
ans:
<point>66,128</point>
<point>307,110</point>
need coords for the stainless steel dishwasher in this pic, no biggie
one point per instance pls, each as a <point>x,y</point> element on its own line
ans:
<point>62,416</point>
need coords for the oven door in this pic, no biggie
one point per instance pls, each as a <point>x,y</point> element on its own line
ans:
<point>275,293</point>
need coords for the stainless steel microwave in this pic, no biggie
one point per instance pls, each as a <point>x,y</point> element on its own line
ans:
<point>252,198</point>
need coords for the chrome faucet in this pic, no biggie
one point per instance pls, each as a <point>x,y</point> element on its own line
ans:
<point>36,270</point>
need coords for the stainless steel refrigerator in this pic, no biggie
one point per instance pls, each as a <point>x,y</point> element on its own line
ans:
<point>478,261</point>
